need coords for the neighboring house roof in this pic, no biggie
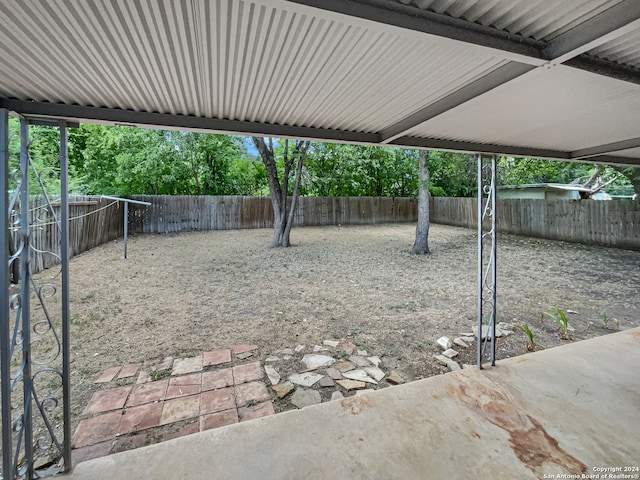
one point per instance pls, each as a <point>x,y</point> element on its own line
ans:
<point>547,186</point>
<point>522,77</point>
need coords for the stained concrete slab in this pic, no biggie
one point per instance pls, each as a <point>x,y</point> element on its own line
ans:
<point>566,410</point>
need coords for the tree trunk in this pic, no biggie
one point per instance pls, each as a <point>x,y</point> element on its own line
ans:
<point>421,245</point>
<point>282,216</point>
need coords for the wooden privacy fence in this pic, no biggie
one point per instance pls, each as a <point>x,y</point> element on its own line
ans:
<point>92,222</point>
<point>613,223</point>
<point>186,213</point>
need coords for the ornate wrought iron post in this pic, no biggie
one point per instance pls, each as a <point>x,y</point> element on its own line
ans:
<point>5,335</point>
<point>34,336</point>
<point>486,258</point>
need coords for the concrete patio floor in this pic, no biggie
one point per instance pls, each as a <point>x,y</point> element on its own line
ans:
<point>569,410</point>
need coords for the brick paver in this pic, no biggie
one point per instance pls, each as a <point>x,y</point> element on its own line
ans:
<point>190,400</point>
<point>97,429</point>
<point>180,409</point>
<point>140,418</point>
<point>251,392</point>
<point>105,400</point>
<point>218,379</point>
<point>219,419</point>
<point>148,392</point>
<point>108,375</point>
<point>257,411</point>
<point>217,357</point>
<point>129,370</point>
<point>247,372</point>
<point>217,400</point>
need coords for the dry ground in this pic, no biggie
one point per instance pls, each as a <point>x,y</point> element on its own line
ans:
<point>181,294</point>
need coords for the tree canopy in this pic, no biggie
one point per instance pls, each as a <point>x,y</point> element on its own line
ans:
<point>127,161</point>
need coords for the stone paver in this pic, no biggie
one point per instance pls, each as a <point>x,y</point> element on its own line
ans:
<point>129,370</point>
<point>180,409</point>
<point>394,378</point>
<point>219,419</point>
<point>450,353</point>
<point>313,361</point>
<point>237,349</point>
<point>359,360</point>
<point>374,372</point>
<point>140,418</point>
<point>360,375</point>
<point>97,429</point>
<point>305,379</point>
<point>257,411</point>
<point>216,357</point>
<point>217,400</point>
<point>105,400</point>
<point>272,374</point>
<point>326,382</point>
<point>108,375</point>
<point>283,389</point>
<point>351,384</point>
<point>247,372</point>
<point>334,373</point>
<point>148,392</point>
<point>217,379</point>
<point>303,398</point>
<point>187,365</point>
<point>348,347</point>
<point>337,395</point>
<point>344,366</point>
<point>244,355</point>
<point>375,360</point>
<point>331,343</point>
<point>251,392</point>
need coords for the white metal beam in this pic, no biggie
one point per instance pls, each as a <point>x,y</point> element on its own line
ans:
<point>608,25</point>
<point>608,148</point>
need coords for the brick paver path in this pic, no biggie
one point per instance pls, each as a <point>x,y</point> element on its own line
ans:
<point>203,392</point>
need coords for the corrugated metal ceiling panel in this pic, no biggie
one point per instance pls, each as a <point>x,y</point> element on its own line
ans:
<point>624,50</point>
<point>539,19</point>
<point>267,62</point>
<point>631,153</point>
<point>558,108</point>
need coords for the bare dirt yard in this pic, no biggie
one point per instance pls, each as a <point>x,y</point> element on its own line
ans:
<point>182,294</point>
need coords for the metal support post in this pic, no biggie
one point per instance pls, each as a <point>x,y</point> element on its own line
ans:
<point>5,334</point>
<point>25,311</point>
<point>64,258</point>
<point>126,227</point>
<point>486,260</point>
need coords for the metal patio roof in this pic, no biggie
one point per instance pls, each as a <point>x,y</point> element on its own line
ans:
<point>520,77</point>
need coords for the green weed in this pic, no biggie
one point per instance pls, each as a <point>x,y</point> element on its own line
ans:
<point>560,318</point>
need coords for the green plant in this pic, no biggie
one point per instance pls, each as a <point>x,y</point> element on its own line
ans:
<point>560,318</point>
<point>606,319</point>
<point>160,374</point>
<point>419,345</point>
<point>531,344</point>
<point>354,331</point>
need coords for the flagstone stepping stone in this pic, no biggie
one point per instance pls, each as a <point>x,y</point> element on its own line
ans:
<point>303,398</point>
<point>348,347</point>
<point>287,351</point>
<point>362,353</point>
<point>334,373</point>
<point>299,348</point>
<point>344,366</point>
<point>394,378</point>
<point>337,395</point>
<point>331,343</point>
<point>272,359</point>
<point>306,379</point>
<point>442,359</point>
<point>243,348</point>
<point>326,382</point>
<point>359,375</point>
<point>313,361</point>
<point>444,343</point>
<point>453,366</point>
<point>283,389</point>
<point>108,375</point>
<point>375,373</point>
<point>459,342</point>
<point>450,353</point>
<point>375,360</point>
<point>129,370</point>
<point>360,361</point>
<point>318,348</point>
<point>272,374</point>
<point>244,355</point>
<point>351,384</point>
